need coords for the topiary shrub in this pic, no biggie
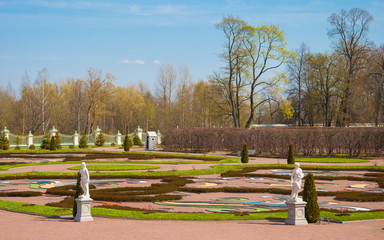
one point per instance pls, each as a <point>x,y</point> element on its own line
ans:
<point>17,148</point>
<point>137,141</point>
<point>4,142</point>
<point>79,191</point>
<point>57,141</point>
<point>71,147</point>
<point>312,210</point>
<point>291,155</point>
<point>244,154</point>
<point>113,144</point>
<point>32,147</point>
<point>46,143</point>
<point>83,142</point>
<point>127,143</point>
<point>100,140</point>
<point>52,146</point>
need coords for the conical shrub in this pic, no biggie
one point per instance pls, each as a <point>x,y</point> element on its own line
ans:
<point>312,210</point>
<point>244,154</point>
<point>79,191</point>
<point>127,143</point>
<point>291,154</point>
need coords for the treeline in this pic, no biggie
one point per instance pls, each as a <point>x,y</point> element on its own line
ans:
<point>275,141</point>
<point>343,86</point>
<point>84,104</point>
<point>330,89</point>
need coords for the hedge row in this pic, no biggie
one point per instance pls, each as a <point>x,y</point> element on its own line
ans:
<point>275,140</point>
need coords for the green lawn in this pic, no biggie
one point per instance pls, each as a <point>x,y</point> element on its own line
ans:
<point>54,211</point>
<point>115,167</point>
<point>331,160</point>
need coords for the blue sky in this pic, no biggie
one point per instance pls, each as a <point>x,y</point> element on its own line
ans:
<point>130,38</point>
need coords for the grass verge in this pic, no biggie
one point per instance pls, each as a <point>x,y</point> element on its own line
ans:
<point>103,212</point>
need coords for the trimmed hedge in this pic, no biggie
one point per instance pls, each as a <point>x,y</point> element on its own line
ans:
<point>273,140</point>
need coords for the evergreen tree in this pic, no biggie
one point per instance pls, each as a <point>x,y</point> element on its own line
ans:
<point>127,143</point>
<point>52,146</point>
<point>137,141</point>
<point>244,154</point>
<point>291,154</point>
<point>79,191</point>
<point>57,141</point>
<point>46,143</point>
<point>83,143</point>
<point>4,142</point>
<point>312,210</point>
<point>100,140</point>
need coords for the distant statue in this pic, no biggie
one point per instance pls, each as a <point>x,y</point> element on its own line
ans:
<point>296,176</point>
<point>84,182</point>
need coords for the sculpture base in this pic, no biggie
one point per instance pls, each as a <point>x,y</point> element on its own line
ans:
<point>83,213</point>
<point>296,213</point>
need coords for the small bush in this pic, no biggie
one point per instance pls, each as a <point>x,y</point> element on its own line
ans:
<point>4,142</point>
<point>312,210</point>
<point>71,147</point>
<point>52,145</point>
<point>291,154</point>
<point>127,143</point>
<point>46,143</point>
<point>83,143</point>
<point>244,154</point>
<point>17,148</point>
<point>32,147</point>
<point>100,140</point>
<point>57,141</point>
<point>79,191</point>
<point>113,144</point>
<point>137,141</point>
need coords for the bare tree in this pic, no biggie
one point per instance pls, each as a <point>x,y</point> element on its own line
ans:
<point>166,83</point>
<point>297,74</point>
<point>97,89</point>
<point>232,84</point>
<point>350,30</point>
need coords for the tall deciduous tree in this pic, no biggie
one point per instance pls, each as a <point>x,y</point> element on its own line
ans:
<point>250,52</point>
<point>166,83</point>
<point>97,88</point>
<point>266,50</point>
<point>297,75</point>
<point>350,29</point>
<point>232,84</point>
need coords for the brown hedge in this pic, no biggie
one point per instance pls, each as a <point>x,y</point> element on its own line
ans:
<point>275,140</point>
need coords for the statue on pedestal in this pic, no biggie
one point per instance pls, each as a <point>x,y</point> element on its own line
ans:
<point>84,202</point>
<point>84,181</point>
<point>296,176</point>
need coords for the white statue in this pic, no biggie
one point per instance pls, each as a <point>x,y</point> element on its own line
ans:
<point>84,182</point>
<point>296,176</point>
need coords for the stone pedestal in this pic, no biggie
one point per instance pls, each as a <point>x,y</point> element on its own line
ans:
<point>296,213</point>
<point>83,210</point>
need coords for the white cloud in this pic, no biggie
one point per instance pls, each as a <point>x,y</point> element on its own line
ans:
<point>126,61</point>
<point>156,62</point>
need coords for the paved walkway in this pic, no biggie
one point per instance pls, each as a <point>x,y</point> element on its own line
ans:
<point>24,226</point>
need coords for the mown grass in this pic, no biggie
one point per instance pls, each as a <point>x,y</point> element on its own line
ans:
<point>34,209</point>
<point>115,167</point>
<point>103,212</point>
<point>331,160</point>
<point>217,169</point>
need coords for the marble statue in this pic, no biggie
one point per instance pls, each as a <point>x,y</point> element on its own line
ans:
<point>84,181</point>
<point>296,176</point>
